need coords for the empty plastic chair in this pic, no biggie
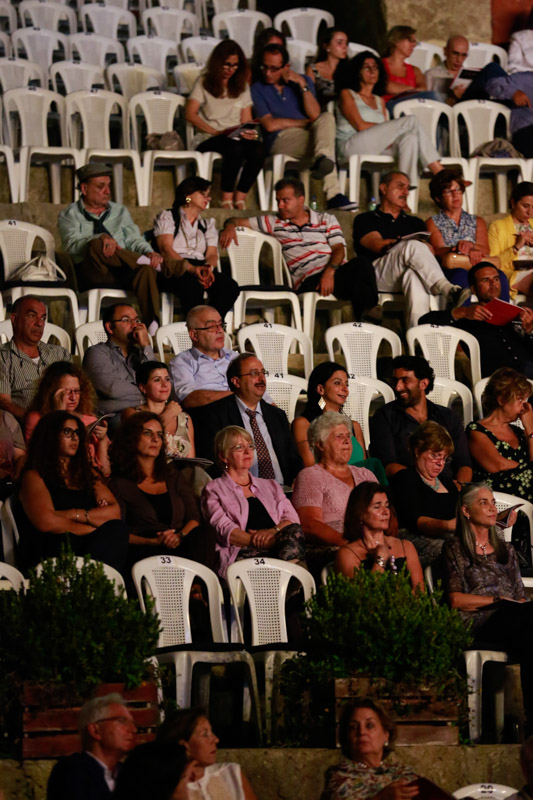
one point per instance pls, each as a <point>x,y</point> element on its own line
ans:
<point>304,23</point>
<point>242,26</point>
<point>16,73</point>
<point>49,16</point>
<point>169,23</point>
<point>94,49</point>
<point>106,20</point>
<point>75,76</point>
<point>198,48</point>
<point>152,51</point>
<point>131,79</point>
<point>39,46</point>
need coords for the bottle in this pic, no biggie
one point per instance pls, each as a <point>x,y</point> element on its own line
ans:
<point>314,204</point>
<point>372,205</point>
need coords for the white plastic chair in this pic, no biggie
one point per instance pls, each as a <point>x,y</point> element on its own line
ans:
<point>12,576</point>
<point>480,790</point>
<point>168,579</point>
<point>89,334</point>
<point>475,662</point>
<point>111,573</point>
<point>185,76</point>
<point>363,391</point>
<point>90,48</point>
<point>304,23</point>
<point>131,79</point>
<point>445,391</point>
<point>439,343</point>
<point>177,337</point>
<point>47,15</point>
<point>16,73</point>
<point>481,53</point>
<point>75,76</point>
<point>285,392</point>
<point>242,26</point>
<point>429,114</point>
<point>118,3</point>
<point>424,54</point>
<point>353,168</point>
<point>50,332</point>
<point>9,12</point>
<point>272,343</point>
<point>17,240</point>
<point>12,171</point>
<point>169,23</point>
<point>198,48</point>
<point>10,533</point>
<point>360,343</point>
<point>244,261</point>
<point>106,20</point>
<point>6,48</point>
<point>264,582</point>
<point>504,501</point>
<point>480,117</point>
<point>355,47</point>
<point>152,51</point>
<point>39,45</point>
<point>300,51</point>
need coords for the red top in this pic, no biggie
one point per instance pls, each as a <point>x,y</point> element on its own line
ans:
<point>409,79</point>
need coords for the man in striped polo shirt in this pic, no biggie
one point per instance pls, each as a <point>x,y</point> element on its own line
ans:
<point>313,247</point>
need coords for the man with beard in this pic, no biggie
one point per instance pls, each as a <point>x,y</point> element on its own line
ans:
<point>391,425</point>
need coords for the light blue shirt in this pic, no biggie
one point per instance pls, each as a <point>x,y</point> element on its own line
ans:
<point>261,424</point>
<point>192,370</point>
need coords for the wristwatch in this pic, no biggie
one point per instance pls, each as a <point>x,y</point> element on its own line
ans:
<point>304,88</point>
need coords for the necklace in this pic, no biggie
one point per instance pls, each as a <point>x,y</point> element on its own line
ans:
<point>483,547</point>
<point>248,483</point>
<point>435,487</point>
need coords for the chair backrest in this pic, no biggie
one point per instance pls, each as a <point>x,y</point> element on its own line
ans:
<point>265,582</point>
<point>40,45</point>
<point>244,257</point>
<point>303,23</point>
<point>91,48</point>
<point>15,73</point>
<point>75,76</point>
<point>363,391</point>
<point>285,393</point>
<point>439,344</point>
<point>185,76</point>
<point>444,393</point>
<point>355,47</point>
<point>360,343</point>
<point>17,239</point>
<point>168,579</point>
<point>106,20</point>
<point>504,501</point>
<point>198,48</point>
<point>481,53</point>
<point>47,15</point>
<point>131,79</point>
<point>26,112</point>
<point>177,336</point>
<point>6,47</point>
<point>272,342</point>
<point>424,54</point>
<point>12,576</point>
<point>299,52</point>
<point>159,110</point>
<point>110,572</point>
<point>152,51</point>
<point>88,117</point>
<point>50,332</point>
<point>89,334</point>
<point>479,388</point>
<point>480,117</point>
<point>10,533</point>
<point>429,113</point>
<point>480,790</point>
<point>170,23</point>
<point>8,12</point>
<point>242,26</point>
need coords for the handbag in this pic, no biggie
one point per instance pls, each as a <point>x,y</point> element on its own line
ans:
<point>38,268</point>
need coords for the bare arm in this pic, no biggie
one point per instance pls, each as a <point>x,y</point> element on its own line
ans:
<point>316,529</point>
<point>486,454</point>
<point>375,242</point>
<point>469,602</point>
<point>437,240</point>
<point>192,116</point>
<point>413,565</point>
<point>39,508</point>
<point>420,80</point>
<point>7,405</point>
<point>435,528</point>
<point>229,231</point>
<point>464,475</point>
<point>349,109</point>
<point>300,426</point>
<point>249,793</point>
<point>392,468</point>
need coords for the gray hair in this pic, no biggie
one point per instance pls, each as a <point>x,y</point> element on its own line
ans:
<point>464,531</point>
<point>191,320</point>
<point>93,711</point>
<point>321,427</point>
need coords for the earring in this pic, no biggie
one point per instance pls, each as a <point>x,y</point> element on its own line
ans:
<point>386,744</point>
<point>188,200</point>
<point>322,404</point>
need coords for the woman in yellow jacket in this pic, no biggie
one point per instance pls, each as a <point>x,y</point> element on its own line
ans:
<point>511,239</point>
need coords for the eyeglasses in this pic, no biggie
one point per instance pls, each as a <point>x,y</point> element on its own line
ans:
<point>230,66</point>
<point>371,67</point>
<point>216,326</point>
<point>126,721</point>
<point>454,191</point>
<point>70,433</point>
<point>125,320</point>
<point>255,373</point>
<point>240,448</point>
<point>266,68</point>
<point>436,457</point>
<point>152,434</point>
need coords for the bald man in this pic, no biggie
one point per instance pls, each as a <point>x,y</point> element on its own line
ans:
<point>451,82</point>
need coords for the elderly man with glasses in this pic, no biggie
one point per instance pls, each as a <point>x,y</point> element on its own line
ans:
<point>107,732</point>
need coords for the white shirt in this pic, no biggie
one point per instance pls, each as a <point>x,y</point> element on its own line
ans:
<point>521,52</point>
<point>109,776</point>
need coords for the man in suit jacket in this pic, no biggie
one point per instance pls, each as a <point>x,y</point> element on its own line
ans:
<point>275,454</point>
<point>107,733</point>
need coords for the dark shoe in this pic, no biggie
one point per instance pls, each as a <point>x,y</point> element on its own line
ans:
<point>454,298</point>
<point>373,315</point>
<point>322,167</point>
<point>342,203</point>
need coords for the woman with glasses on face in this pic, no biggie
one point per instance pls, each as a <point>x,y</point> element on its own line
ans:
<point>182,233</point>
<point>220,101</point>
<point>424,500</point>
<point>63,499</point>
<point>251,516</point>
<point>156,503</point>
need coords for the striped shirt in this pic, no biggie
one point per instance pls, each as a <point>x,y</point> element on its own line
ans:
<point>19,374</point>
<point>307,248</point>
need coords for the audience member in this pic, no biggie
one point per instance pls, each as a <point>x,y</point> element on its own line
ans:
<point>502,452</point>
<point>484,584</point>
<point>264,37</point>
<point>293,124</point>
<point>509,345</point>
<point>321,492</point>
<point>63,499</point>
<point>526,762</point>
<point>108,731</point>
<point>66,387</point>
<point>25,357</point>
<point>12,453</point>
<point>160,510</point>
<point>190,728</point>
<point>199,374</point>
<point>313,247</point>
<point>220,108</point>
<point>180,232</point>
<point>368,770</point>
<point>366,522</point>
<point>157,770</point>
<point>452,83</point>
<point>459,239</point>
<point>403,80</point>
<point>251,516</point>
<point>107,247</point>
<point>393,423</point>
<point>364,127</point>
<point>518,89</point>
<point>275,454</point>
<point>407,266</point>
<point>331,55</point>
<point>111,365</point>
<point>424,499</point>
<point>511,239</point>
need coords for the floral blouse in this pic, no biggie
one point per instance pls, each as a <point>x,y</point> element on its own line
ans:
<point>453,233</point>
<point>517,480</point>
<point>352,780</point>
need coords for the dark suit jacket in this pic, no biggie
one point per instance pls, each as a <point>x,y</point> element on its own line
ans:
<point>77,776</point>
<point>213,417</point>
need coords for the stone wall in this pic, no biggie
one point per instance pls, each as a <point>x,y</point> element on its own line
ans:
<point>436,20</point>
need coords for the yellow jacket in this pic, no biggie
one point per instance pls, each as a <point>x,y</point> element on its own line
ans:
<point>501,240</point>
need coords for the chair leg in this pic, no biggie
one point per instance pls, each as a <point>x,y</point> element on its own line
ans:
<point>183,667</point>
<point>309,309</point>
<point>269,694</point>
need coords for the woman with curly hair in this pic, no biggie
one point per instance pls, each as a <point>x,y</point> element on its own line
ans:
<point>66,387</point>
<point>220,101</point>
<point>62,498</point>
<point>155,502</point>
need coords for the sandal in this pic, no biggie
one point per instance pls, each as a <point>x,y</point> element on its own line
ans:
<point>227,204</point>
<point>240,205</point>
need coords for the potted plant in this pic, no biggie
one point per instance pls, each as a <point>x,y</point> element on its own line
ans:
<point>370,635</point>
<point>61,639</point>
